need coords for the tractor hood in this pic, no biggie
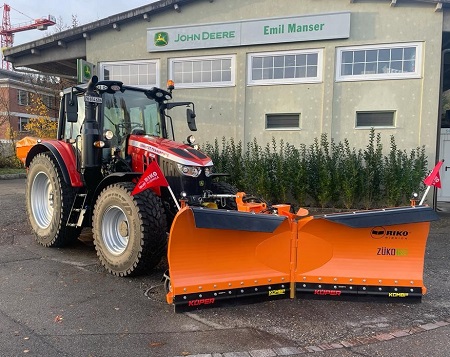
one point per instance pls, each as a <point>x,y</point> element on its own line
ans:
<point>171,150</point>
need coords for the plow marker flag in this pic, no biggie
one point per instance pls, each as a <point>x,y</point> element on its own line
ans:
<point>153,177</point>
<point>433,179</point>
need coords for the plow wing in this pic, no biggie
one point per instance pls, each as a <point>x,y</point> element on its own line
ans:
<point>217,254</point>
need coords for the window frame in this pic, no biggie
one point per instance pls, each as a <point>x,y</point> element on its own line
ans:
<point>291,128</point>
<point>48,101</point>
<point>317,79</point>
<point>102,66</point>
<point>379,76</point>
<point>216,84</point>
<point>21,125</point>
<point>394,117</point>
<point>23,94</point>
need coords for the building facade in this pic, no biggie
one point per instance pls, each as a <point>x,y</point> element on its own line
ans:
<point>381,70</point>
<point>16,91</point>
<point>290,69</point>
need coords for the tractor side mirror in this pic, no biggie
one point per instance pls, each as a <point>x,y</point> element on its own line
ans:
<point>191,119</point>
<point>71,108</point>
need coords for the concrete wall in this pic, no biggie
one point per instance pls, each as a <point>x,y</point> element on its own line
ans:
<point>328,107</point>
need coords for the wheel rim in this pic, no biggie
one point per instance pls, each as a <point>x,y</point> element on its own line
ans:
<point>115,230</point>
<point>42,200</point>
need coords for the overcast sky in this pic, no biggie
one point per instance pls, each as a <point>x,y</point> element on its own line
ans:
<point>86,11</point>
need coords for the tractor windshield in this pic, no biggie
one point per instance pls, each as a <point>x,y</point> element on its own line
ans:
<point>130,112</point>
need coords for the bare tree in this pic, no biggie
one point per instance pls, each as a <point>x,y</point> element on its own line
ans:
<point>61,26</point>
<point>75,22</point>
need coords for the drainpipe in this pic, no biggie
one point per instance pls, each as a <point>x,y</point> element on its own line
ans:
<point>439,123</point>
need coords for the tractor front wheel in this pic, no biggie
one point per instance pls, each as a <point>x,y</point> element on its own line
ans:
<point>129,231</point>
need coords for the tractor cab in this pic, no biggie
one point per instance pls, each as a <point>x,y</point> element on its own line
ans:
<point>119,111</point>
<point>103,116</point>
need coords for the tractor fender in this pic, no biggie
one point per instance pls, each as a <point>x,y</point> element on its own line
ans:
<point>64,155</point>
<point>114,178</point>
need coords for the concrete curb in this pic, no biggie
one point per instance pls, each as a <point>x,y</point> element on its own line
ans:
<point>12,176</point>
<point>356,342</point>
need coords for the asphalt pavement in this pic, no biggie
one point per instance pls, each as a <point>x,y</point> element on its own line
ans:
<point>60,302</point>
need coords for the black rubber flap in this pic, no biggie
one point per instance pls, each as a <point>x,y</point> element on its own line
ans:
<point>383,217</point>
<point>235,220</point>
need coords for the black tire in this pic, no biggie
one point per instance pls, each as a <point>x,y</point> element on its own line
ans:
<point>129,231</point>
<point>221,187</point>
<point>49,201</point>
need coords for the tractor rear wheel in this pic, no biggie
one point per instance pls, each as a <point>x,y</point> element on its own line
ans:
<point>129,231</point>
<point>221,187</point>
<point>49,200</point>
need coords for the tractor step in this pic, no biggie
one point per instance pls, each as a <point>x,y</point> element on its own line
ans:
<point>77,211</point>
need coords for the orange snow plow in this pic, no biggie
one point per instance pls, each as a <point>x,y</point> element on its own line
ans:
<point>216,254</point>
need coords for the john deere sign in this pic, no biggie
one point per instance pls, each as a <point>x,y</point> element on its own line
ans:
<point>253,32</point>
<point>161,39</point>
<point>85,71</point>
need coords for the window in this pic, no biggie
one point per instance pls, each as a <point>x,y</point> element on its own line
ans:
<point>197,72</point>
<point>395,61</point>
<point>48,101</point>
<point>285,67</point>
<point>138,73</point>
<point>72,130</point>
<point>23,97</point>
<point>384,119</point>
<point>22,123</point>
<point>282,121</point>
<point>129,111</point>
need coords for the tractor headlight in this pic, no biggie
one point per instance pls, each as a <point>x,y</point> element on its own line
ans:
<point>208,171</point>
<point>191,139</point>
<point>108,135</point>
<point>192,171</point>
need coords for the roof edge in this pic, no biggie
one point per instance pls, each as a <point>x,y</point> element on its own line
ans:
<point>77,32</point>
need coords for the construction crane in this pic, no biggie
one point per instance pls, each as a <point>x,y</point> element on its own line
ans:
<point>7,31</point>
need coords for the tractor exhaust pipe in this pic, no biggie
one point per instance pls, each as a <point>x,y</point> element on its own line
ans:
<point>90,155</point>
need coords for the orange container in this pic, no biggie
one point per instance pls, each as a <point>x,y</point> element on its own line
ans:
<point>23,146</point>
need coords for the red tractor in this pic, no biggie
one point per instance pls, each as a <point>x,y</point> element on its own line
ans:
<point>108,134</point>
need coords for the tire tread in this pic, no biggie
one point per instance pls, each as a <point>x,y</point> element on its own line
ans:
<point>153,240</point>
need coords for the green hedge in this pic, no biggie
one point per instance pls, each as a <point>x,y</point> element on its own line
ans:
<point>324,174</point>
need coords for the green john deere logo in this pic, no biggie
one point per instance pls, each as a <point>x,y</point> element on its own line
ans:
<point>87,71</point>
<point>161,39</point>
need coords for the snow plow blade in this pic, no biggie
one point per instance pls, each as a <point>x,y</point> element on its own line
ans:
<point>215,255</point>
<point>377,252</point>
